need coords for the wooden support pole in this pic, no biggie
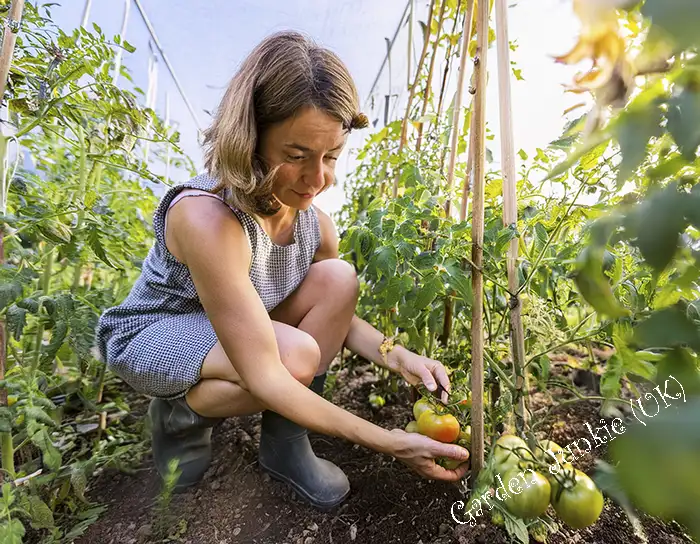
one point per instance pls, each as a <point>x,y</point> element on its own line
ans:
<point>479,151</point>
<point>412,92</point>
<point>410,41</point>
<point>466,187</point>
<point>510,209</point>
<point>429,83</point>
<point>12,26</point>
<point>466,38</point>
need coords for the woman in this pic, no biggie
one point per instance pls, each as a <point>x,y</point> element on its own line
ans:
<point>243,303</point>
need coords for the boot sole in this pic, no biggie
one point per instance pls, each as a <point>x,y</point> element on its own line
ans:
<point>324,506</point>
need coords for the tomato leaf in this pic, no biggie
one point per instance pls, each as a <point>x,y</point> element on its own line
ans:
<point>659,226</point>
<point>679,19</point>
<point>635,129</point>
<point>503,238</point>
<point>42,516</point>
<point>595,140</point>
<point>610,381</point>
<point>9,292</point>
<point>669,327</point>
<point>427,293</point>
<point>665,451</point>
<point>460,281</point>
<point>384,261</point>
<point>6,419</point>
<point>516,528</point>
<point>594,287</point>
<point>12,532</point>
<point>50,455</point>
<point>684,121</point>
<point>541,237</point>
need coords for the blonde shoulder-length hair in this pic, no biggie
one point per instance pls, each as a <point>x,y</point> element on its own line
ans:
<point>284,73</point>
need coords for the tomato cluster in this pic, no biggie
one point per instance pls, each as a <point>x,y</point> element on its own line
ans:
<point>438,425</point>
<point>528,492</point>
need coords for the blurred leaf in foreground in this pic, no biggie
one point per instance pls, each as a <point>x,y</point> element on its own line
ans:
<point>658,464</point>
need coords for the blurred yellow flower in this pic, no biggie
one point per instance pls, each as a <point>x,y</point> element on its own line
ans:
<point>611,77</point>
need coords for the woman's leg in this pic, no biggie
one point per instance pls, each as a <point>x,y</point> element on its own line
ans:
<point>222,393</point>
<point>311,326</point>
<point>323,306</point>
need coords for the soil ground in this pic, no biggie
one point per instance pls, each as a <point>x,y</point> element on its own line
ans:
<point>237,503</point>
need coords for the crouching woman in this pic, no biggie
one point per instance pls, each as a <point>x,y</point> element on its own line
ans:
<point>242,302</point>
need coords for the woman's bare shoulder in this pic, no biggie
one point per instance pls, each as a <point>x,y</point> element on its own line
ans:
<point>198,227</point>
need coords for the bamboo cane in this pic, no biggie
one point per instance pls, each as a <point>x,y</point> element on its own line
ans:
<point>412,91</point>
<point>466,38</point>
<point>429,83</point>
<point>410,41</point>
<point>510,209</point>
<point>466,187</point>
<point>477,370</point>
<point>12,25</point>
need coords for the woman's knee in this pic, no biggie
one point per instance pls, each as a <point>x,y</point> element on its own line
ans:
<point>336,277</point>
<point>301,356</point>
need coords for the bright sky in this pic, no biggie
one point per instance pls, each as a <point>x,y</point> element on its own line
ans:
<point>205,41</point>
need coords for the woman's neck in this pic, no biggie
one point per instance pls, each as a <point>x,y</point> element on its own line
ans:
<point>280,227</point>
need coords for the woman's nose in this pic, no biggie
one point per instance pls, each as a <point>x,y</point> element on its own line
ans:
<point>315,176</point>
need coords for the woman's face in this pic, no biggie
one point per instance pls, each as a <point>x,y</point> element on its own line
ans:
<point>306,147</point>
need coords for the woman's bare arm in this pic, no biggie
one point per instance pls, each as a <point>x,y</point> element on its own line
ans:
<point>211,242</point>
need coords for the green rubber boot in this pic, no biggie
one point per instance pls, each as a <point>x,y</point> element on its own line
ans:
<point>179,432</point>
<point>286,454</point>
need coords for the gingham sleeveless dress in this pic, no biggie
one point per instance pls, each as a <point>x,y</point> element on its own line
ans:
<point>157,338</point>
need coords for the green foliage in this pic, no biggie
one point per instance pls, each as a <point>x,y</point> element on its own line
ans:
<point>677,18</point>
<point>665,452</point>
<point>76,229</point>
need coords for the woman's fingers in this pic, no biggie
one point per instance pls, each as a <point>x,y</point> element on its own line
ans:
<point>439,449</point>
<point>427,378</point>
<point>441,375</point>
<point>450,475</point>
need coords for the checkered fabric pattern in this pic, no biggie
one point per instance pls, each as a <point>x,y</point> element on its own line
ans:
<point>157,338</point>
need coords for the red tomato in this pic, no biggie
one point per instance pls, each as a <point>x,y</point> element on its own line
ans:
<point>444,428</point>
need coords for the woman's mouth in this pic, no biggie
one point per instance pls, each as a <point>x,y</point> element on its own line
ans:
<point>304,195</point>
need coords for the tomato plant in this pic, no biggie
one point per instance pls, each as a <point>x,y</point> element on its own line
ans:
<point>76,228</point>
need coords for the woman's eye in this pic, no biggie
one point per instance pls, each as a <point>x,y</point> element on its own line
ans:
<point>332,158</point>
<point>296,157</point>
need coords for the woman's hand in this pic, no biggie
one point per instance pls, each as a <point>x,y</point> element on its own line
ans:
<point>419,452</point>
<point>419,369</point>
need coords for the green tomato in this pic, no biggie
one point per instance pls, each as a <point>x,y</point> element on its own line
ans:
<point>580,505</point>
<point>412,427</point>
<point>421,405</point>
<point>543,452</point>
<point>498,519</point>
<point>465,437</point>
<point>507,452</point>
<point>533,499</point>
<point>449,464</point>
